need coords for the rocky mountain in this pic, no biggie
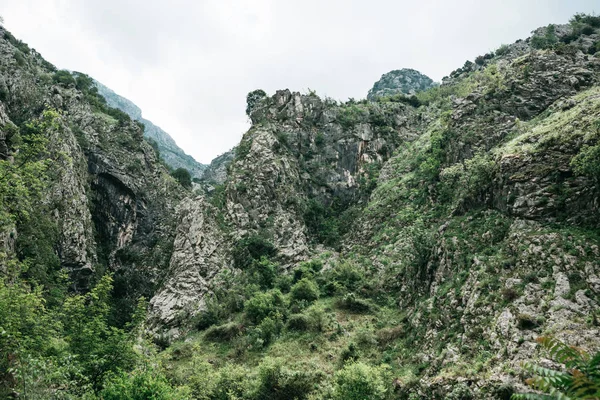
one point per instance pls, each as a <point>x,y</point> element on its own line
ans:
<point>172,154</point>
<point>84,192</point>
<point>404,81</point>
<point>397,248</point>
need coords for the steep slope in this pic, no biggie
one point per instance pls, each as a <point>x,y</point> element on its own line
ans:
<point>303,163</point>
<point>98,199</point>
<point>442,235</point>
<point>172,154</point>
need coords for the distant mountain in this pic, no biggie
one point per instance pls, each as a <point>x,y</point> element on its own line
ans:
<point>172,154</point>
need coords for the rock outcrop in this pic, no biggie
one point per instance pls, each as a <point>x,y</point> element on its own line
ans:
<point>401,81</point>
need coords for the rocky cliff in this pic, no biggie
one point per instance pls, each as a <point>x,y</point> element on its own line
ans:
<point>100,186</point>
<point>473,205</point>
<point>426,241</point>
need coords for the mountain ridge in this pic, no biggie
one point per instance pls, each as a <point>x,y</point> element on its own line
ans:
<point>170,152</point>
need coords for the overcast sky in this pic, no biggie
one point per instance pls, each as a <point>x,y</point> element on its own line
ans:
<point>189,64</point>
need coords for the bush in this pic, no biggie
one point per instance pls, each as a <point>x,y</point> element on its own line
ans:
<point>263,305</point>
<point>358,381</point>
<point>587,162</point>
<point>233,382</point>
<point>352,303</point>
<point>63,78</point>
<point>278,382</point>
<point>262,272</point>
<point>268,329</point>
<point>305,289</point>
<point>223,333</point>
<point>299,322</point>
<point>183,176</point>
<point>344,275</point>
<point>251,249</point>
<point>502,50</point>
<point>141,385</point>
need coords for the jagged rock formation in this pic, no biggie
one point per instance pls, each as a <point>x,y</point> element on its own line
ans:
<point>479,219</point>
<point>172,154</point>
<point>455,225</point>
<point>401,81</point>
<point>109,198</point>
<point>216,172</point>
<point>299,150</point>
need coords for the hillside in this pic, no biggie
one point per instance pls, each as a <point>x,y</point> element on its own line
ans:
<point>172,154</point>
<point>410,246</point>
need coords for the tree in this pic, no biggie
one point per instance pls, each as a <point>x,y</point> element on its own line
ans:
<point>183,176</point>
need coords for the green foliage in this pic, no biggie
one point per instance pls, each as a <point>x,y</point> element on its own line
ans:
<point>100,349</point>
<point>141,384</point>
<point>579,379</point>
<point>546,41</point>
<point>243,149</point>
<point>358,381</point>
<point>251,249</point>
<point>277,381</point>
<point>355,304</point>
<point>305,289</point>
<point>253,98</point>
<point>587,162</point>
<point>262,273</point>
<point>502,50</point>
<point>183,176</point>
<point>263,305</point>
<point>351,115</point>
<point>223,333</point>
<point>63,78</point>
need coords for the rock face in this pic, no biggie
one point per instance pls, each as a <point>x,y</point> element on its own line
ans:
<point>475,208</point>
<point>216,172</point>
<point>108,196</point>
<point>299,151</point>
<point>172,154</point>
<point>472,206</point>
<point>401,81</point>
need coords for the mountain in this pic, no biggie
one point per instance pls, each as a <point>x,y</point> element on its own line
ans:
<point>403,81</point>
<point>402,247</point>
<point>172,154</point>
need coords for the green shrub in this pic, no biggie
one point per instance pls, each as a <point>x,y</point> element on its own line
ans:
<point>587,162</point>
<point>253,99</point>
<point>299,322</point>
<point>141,384</point>
<point>358,381</point>
<point>352,303</point>
<point>305,289</point>
<point>251,249</point>
<point>268,329</point>
<point>277,381</point>
<point>223,333</point>
<point>262,272</point>
<point>502,50</point>
<point>263,305</point>
<point>344,276</point>
<point>233,382</point>
<point>183,176</point>
<point>546,41</point>
<point>63,78</point>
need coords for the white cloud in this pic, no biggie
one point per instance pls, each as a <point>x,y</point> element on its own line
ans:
<point>189,64</point>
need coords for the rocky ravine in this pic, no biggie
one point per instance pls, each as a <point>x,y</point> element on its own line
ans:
<point>478,219</point>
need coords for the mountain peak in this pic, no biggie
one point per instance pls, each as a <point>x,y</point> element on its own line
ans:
<point>400,81</point>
